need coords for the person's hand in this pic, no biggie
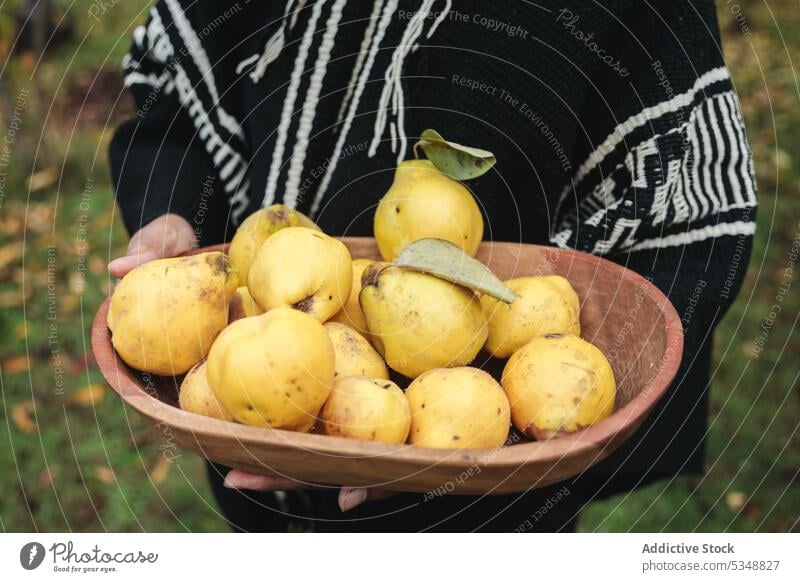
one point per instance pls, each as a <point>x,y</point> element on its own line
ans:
<point>171,235</point>
<point>167,236</point>
<point>349,497</point>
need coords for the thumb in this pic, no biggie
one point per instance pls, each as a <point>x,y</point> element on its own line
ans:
<point>123,265</point>
<point>166,236</point>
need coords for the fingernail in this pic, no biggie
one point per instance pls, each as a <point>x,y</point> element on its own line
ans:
<point>351,498</point>
<point>231,482</point>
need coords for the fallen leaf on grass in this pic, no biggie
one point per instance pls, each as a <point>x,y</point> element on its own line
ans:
<point>735,500</point>
<point>10,253</point>
<point>14,365</point>
<point>104,474</point>
<point>750,350</point>
<point>42,179</point>
<point>39,219</point>
<point>160,469</point>
<point>97,265</point>
<point>21,417</point>
<point>88,396</point>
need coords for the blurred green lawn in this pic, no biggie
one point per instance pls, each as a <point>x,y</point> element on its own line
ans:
<point>73,458</point>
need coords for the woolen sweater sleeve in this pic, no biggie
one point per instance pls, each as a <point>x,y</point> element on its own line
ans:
<point>667,189</point>
<point>158,164</point>
<point>665,182</point>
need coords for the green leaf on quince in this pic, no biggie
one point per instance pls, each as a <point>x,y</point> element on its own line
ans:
<point>457,161</point>
<point>447,261</point>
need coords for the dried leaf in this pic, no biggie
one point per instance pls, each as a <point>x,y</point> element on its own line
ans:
<point>160,469</point>
<point>21,417</point>
<point>750,350</point>
<point>735,500</point>
<point>39,218</point>
<point>457,161</point>
<point>447,261</point>
<point>97,265</point>
<point>10,253</point>
<point>15,365</point>
<point>12,225</point>
<point>89,395</point>
<point>104,474</point>
<point>42,179</point>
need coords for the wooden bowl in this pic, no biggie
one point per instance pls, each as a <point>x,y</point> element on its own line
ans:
<point>622,313</point>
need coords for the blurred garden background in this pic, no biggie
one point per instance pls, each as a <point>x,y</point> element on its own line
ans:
<point>72,458</point>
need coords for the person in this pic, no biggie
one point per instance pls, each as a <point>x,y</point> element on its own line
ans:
<point>617,129</point>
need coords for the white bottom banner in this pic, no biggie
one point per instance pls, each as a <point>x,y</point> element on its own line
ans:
<point>389,557</point>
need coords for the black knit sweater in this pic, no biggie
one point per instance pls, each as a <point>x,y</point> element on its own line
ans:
<point>615,125</point>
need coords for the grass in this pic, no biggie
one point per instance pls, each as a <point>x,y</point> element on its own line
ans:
<point>73,458</point>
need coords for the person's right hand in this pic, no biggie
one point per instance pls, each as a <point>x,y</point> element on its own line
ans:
<point>167,236</point>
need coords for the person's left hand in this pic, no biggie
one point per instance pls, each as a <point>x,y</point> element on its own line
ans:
<point>349,497</point>
<point>167,236</point>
